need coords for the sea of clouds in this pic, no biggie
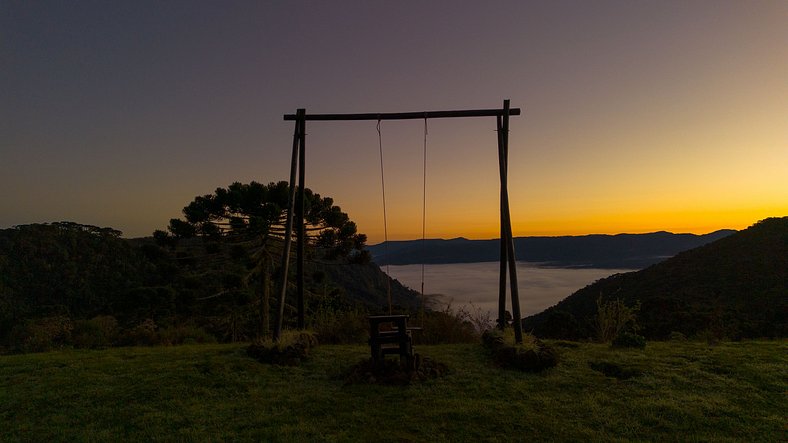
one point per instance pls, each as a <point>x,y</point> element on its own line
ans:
<point>463,284</point>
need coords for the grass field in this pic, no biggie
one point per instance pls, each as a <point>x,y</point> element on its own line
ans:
<point>681,391</point>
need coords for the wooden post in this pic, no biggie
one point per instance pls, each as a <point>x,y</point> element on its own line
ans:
<point>301,227</point>
<point>515,292</point>
<point>506,228</point>
<point>288,227</point>
<point>504,246</point>
<point>265,296</point>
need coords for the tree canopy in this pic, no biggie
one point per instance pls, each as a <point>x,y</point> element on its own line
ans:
<point>255,210</point>
<point>66,269</point>
<point>240,228</point>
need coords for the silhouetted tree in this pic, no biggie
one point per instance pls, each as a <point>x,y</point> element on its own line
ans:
<point>243,226</point>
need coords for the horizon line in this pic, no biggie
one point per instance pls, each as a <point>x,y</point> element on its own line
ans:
<point>557,236</point>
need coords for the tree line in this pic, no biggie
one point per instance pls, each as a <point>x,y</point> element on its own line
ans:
<point>209,274</point>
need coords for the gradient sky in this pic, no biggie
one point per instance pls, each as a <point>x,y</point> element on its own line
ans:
<point>637,115</point>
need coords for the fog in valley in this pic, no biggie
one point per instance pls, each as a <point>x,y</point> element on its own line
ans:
<point>464,283</point>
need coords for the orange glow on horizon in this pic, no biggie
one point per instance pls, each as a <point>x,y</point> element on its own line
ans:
<point>633,223</point>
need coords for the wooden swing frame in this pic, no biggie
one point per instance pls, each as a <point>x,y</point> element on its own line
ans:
<point>296,204</point>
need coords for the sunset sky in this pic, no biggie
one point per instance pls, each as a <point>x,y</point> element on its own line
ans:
<point>638,116</point>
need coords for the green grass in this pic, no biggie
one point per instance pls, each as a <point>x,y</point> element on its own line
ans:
<point>686,391</point>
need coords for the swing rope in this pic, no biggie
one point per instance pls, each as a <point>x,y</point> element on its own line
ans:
<point>423,218</point>
<point>385,224</point>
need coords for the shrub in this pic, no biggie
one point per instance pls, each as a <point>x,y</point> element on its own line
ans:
<point>143,334</point>
<point>614,317</point>
<point>42,334</point>
<point>292,348</point>
<point>532,355</point>
<point>629,340</point>
<point>447,327</point>
<point>98,332</point>
<point>341,327</point>
<point>480,319</point>
<point>233,323</point>
<point>561,325</point>
<point>493,339</point>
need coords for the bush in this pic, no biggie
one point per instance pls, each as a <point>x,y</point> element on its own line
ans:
<point>464,325</point>
<point>42,334</point>
<point>493,339</point>
<point>532,355</point>
<point>233,323</point>
<point>613,318</point>
<point>96,333</point>
<point>292,348</point>
<point>447,327</point>
<point>629,340</point>
<point>143,334</point>
<point>561,325</point>
<point>341,327</point>
<point>481,319</point>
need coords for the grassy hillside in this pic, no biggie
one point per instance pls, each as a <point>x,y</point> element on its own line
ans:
<point>734,287</point>
<point>684,391</point>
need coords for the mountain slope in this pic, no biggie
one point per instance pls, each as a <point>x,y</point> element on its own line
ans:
<point>365,284</point>
<point>734,287</point>
<point>630,251</point>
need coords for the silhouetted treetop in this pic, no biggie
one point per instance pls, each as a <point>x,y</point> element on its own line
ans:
<point>260,210</point>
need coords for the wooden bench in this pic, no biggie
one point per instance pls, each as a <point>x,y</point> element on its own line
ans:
<point>390,335</point>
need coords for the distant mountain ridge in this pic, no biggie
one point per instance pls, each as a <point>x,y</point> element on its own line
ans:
<point>624,251</point>
<point>735,287</point>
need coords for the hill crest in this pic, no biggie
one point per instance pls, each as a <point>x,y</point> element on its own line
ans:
<point>627,251</point>
<point>734,287</point>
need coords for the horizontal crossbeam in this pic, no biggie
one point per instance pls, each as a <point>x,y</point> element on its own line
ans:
<point>407,115</point>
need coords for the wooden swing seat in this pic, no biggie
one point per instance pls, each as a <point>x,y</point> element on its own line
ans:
<point>390,335</point>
